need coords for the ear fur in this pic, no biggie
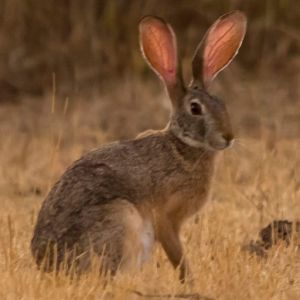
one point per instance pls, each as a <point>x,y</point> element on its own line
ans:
<point>159,48</point>
<point>218,47</point>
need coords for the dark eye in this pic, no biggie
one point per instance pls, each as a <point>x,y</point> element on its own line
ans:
<point>196,108</point>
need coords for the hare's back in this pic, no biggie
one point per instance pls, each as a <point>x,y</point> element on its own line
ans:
<point>89,187</point>
<point>115,171</point>
<point>97,178</point>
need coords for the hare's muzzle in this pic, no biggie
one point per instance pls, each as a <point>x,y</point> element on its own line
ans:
<point>222,141</point>
<point>228,139</point>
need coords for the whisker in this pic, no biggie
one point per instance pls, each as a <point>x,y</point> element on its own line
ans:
<point>242,144</point>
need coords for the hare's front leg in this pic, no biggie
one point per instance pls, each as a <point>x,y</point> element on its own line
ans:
<point>168,236</point>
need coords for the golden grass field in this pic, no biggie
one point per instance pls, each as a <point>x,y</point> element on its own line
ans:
<point>257,181</point>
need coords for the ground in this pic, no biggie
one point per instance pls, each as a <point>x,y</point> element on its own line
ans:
<point>257,181</point>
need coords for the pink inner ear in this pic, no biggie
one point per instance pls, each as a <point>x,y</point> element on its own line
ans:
<point>222,43</point>
<point>158,44</point>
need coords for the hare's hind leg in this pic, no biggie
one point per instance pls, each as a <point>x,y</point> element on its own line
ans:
<point>121,237</point>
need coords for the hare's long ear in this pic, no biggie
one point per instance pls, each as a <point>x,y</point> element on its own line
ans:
<point>218,47</point>
<point>159,48</point>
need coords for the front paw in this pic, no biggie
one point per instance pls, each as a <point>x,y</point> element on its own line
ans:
<point>185,275</point>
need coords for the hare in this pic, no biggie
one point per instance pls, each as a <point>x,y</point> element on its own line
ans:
<point>117,201</point>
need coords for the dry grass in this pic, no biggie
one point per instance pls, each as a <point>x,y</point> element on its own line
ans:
<point>257,182</point>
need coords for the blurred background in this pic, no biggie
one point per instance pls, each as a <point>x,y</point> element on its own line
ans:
<point>90,41</point>
<point>87,53</point>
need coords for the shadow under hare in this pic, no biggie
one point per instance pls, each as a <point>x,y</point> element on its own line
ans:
<point>116,201</point>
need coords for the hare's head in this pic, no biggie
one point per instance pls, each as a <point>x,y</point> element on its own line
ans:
<point>198,119</point>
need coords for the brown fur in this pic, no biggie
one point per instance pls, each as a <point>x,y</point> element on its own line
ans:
<point>86,199</point>
<point>115,201</point>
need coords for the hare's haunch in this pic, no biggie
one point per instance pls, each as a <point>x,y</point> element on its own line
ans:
<point>116,201</point>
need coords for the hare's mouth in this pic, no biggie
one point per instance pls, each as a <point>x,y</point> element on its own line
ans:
<point>216,144</point>
<point>222,144</point>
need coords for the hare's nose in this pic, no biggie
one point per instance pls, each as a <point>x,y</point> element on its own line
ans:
<point>228,138</point>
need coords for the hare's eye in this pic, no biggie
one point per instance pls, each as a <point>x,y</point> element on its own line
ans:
<point>196,108</point>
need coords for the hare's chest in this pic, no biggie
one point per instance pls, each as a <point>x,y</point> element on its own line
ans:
<point>186,198</point>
